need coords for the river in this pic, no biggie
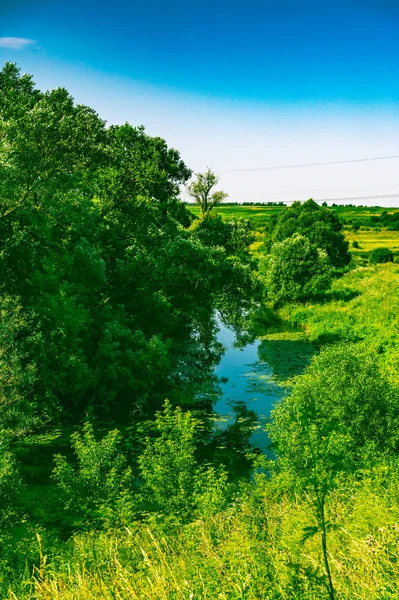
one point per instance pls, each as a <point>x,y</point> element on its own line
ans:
<point>258,376</point>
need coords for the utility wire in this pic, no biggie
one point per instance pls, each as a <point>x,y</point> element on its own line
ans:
<point>320,164</point>
<point>316,191</point>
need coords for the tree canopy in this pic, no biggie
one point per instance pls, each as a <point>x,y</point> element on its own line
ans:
<point>296,270</point>
<point>319,224</point>
<point>103,281</point>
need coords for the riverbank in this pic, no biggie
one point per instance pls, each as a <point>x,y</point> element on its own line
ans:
<point>265,544</point>
<point>362,307</point>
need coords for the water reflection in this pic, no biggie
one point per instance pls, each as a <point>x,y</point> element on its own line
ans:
<point>255,377</point>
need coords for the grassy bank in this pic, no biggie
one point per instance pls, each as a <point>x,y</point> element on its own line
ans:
<point>261,548</point>
<point>361,307</point>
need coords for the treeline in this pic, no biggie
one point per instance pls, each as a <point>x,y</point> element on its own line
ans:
<point>387,220</point>
<point>108,290</point>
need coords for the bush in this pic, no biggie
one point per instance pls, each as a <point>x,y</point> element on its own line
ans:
<point>173,483</point>
<point>98,488</point>
<point>296,270</point>
<point>380,255</point>
<point>355,244</point>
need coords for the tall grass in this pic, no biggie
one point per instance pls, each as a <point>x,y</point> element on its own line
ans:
<point>256,549</point>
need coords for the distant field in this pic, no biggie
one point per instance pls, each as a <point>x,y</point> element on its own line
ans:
<point>262,213</point>
<point>368,238</point>
<point>257,213</point>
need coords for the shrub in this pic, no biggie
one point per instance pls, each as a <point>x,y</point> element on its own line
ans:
<point>98,488</point>
<point>173,483</point>
<point>296,270</point>
<point>355,244</point>
<point>380,255</point>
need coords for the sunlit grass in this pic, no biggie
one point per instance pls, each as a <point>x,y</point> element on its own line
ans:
<point>254,550</point>
<point>362,306</point>
<point>372,238</point>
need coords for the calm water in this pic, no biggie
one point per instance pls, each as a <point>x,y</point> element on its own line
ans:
<point>258,376</point>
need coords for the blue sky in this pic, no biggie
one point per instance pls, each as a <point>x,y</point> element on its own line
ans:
<point>233,85</point>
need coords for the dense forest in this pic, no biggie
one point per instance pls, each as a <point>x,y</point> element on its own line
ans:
<point>114,481</point>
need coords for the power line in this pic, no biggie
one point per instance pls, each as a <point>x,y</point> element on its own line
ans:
<point>320,164</point>
<point>310,192</point>
<point>377,197</point>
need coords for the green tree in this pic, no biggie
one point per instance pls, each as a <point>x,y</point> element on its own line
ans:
<point>341,416</point>
<point>295,270</point>
<point>97,255</point>
<point>319,224</point>
<point>201,191</point>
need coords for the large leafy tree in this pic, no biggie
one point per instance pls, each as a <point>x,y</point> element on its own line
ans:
<point>296,270</point>
<point>341,416</point>
<point>103,283</point>
<point>319,224</point>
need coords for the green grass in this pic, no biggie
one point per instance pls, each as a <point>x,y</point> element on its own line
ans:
<point>362,306</point>
<point>373,238</point>
<point>254,550</point>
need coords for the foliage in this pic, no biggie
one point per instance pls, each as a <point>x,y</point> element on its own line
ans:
<point>11,489</point>
<point>341,416</point>
<point>173,483</point>
<point>97,256</point>
<point>254,549</point>
<point>319,224</point>
<point>109,292</point>
<point>296,270</point>
<point>362,308</point>
<point>98,488</point>
<point>380,255</point>
<point>201,191</point>
<point>235,236</point>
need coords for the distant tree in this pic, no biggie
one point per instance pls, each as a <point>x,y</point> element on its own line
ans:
<point>295,270</point>
<point>319,224</point>
<point>380,255</point>
<point>201,191</point>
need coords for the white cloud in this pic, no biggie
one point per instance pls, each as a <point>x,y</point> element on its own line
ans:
<point>15,43</point>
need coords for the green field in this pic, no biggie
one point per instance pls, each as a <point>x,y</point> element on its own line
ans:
<point>368,237</point>
<point>261,212</point>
